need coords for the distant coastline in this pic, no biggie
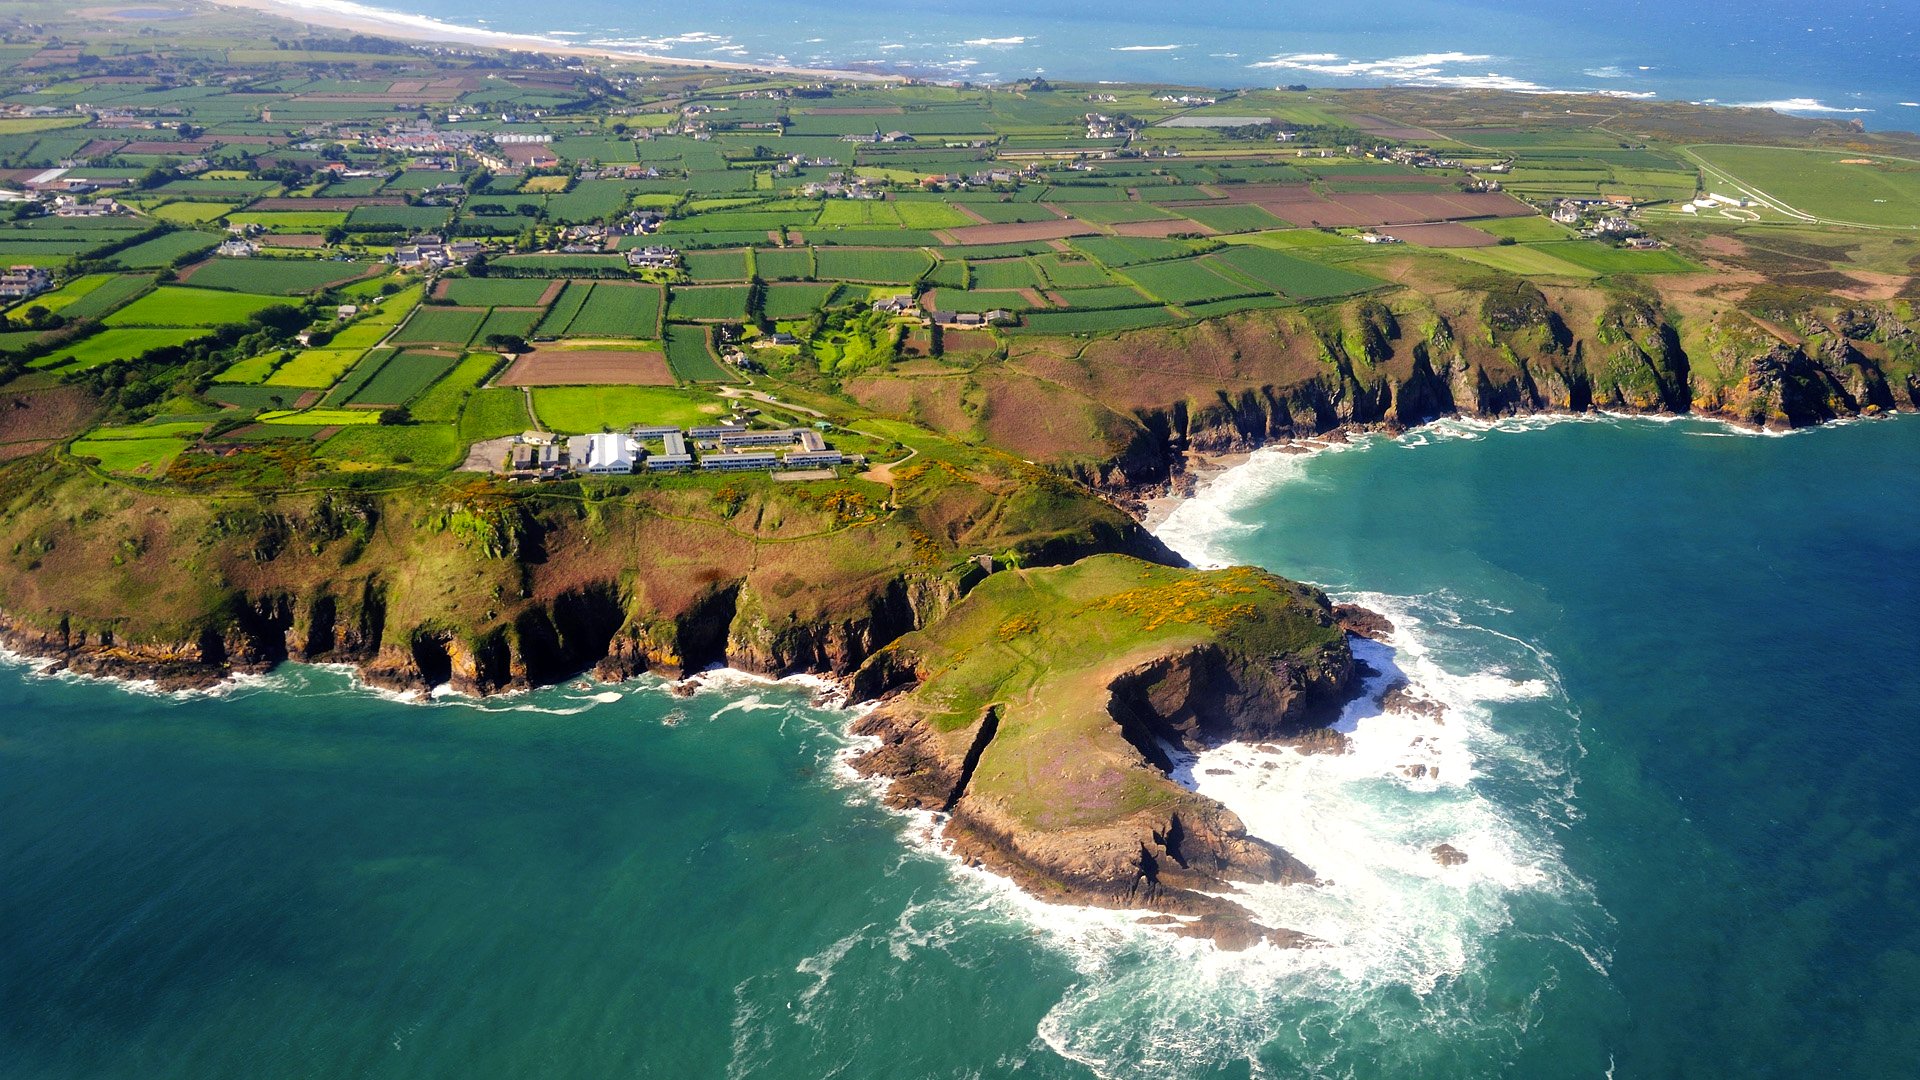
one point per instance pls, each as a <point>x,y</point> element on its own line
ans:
<point>361,19</point>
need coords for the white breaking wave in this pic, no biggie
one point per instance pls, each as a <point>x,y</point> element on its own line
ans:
<point>1797,105</point>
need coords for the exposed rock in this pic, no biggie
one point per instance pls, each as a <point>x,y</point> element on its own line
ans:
<point>1362,622</point>
<point>1448,855</point>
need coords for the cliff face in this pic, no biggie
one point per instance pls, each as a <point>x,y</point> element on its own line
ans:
<point>1047,745</point>
<point>488,589</point>
<point>1489,352</point>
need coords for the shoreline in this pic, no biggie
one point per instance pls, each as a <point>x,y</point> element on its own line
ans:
<point>420,29</point>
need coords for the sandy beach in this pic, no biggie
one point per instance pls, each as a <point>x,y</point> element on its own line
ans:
<point>360,19</point>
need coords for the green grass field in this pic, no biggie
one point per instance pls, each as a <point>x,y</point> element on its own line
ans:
<point>1524,259</point>
<point>1611,260</point>
<point>131,457</point>
<point>1534,229</point>
<point>1876,190</point>
<point>284,277</point>
<point>704,266</point>
<point>783,264</point>
<point>797,301</point>
<point>874,266</point>
<point>713,303</point>
<point>1185,281</point>
<point>586,409</point>
<point>114,344</point>
<point>615,310</point>
<point>173,305</point>
<point>444,401</point>
<point>1093,322</point>
<point>402,377</point>
<point>165,250</point>
<point>490,414</point>
<point>373,446</point>
<point>496,292</point>
<point>441,325</point>
<point>1004,274</point>
<point>314,369</point>
<point>1279,272</point>
<point>289,221</point>
<point>563,309</point>
<point>690,356</point>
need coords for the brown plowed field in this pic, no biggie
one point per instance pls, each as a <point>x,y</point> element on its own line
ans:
<point>588,367</point>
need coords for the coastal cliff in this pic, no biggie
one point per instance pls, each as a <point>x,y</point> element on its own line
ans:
<point>1121,412</point>
<point>485,588</point>
<point>1042,717</point>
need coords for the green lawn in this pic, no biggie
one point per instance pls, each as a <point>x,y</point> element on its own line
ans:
<point>878,267</point>
<point>497,292</point>
<point>441,325</point>
<point>618,310</point>
<point>285,277</point>
<point>131,457</point>
<point>585,409</point>
<point>710,303</point>
<point>402,377</point>
<point>690,356</point>
<point>1882,191</point>
<point>114,344</point>
<point>312,368</point>
<point>489,414</point>
<point>175,305</point>
<point>165,250</point>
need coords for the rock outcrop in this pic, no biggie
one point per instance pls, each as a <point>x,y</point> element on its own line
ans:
<point>1063,783</point>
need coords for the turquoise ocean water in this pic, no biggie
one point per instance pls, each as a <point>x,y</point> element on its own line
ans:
<point>1678,748</point>
<point>1855,59</point>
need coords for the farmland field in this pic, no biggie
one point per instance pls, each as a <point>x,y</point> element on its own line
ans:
<point>710,303</point>
<point>404,218</point>
<point>114,344</point>
<point>877,266</point>
<point>706,266</point>
<point>584,409</point>
<point>1530,260</point>
<point>797,301</point>
<point>289,220</point>
<point>1112,296</point>
<point>285,277</point>
<point>567,305</point>
<point>588,367</point>
<point>1131,251</point>
<point>513,322</point>
<point>490,414</point>
<point>452,326</point>
<point>403,376</point>
<point>495,292</point>
<point>165,250</point>
<point>444,402</point>
<point>315,368</point>
<point>977,301</point>
<point>1185,281</point>
<point>172,305</point>
<point>1068,272</point>
<point>1864,188</point>
<point>692,359</point>
<point>1289,274</point>
<point>1004,274</point>
<point>1239,218</point>
<point>376,446</point>
<point>131,457</point>
<point>1087,322</point>
<point>1612,260</point>
<point>620,311</point>
<point>778,264</point>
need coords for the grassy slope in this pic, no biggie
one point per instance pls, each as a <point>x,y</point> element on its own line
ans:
<point>1042,646</point>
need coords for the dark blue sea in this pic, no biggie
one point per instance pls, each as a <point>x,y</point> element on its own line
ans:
<point>1857,59</point>
<point>1677,736</point>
